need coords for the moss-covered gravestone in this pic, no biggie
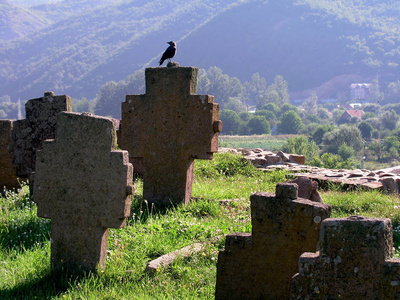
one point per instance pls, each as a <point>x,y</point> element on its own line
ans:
<point>83,184</point>
<point>166,129</point>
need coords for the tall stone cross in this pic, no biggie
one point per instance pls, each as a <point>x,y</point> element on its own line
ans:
<point>83,185</point>
<point>167,129</point>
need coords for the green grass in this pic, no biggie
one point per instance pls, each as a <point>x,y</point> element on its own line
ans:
<point>267,142</point>
<point>151,232</point>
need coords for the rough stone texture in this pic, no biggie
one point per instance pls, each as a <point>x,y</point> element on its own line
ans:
<point>308,189</point>
<point>300,159</point>
<point>353,262</point>
<point>166,129</point>
<point>39,125</point>
<point>264,158</point>
<point>83,185</point>
<point>8,179</point>
<point>261,265</point>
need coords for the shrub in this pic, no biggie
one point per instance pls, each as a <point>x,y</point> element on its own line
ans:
<point>230,119</point>
<point>348,134</point>
<point>345,152</point>
<point>224,164</point>
<point>301,145</point>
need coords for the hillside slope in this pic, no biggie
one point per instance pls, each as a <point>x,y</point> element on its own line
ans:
<point>314,44</point>
<point>79,54</point>
<point>16,22</point>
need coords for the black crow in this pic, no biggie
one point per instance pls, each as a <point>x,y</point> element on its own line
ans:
<point>169,53</point>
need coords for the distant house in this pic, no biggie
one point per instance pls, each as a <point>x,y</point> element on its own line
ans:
<point>348,114</point>
<point>360,91</point>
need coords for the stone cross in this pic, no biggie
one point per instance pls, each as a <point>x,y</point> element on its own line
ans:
<point>260,265</point>
<point>8,179</point>
<point>40,123</point>
<point>354,262</point>
<point>83,184</point>
<point>166,129</point>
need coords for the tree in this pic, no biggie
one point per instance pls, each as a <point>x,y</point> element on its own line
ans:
<point>389,119</point>
<point>269,115</point>
<point>231,120</point>
<point>281,87</point>
<point>323,113</point>
<point>319,133</point>
<point>286,107</point>
<point>276,93</point>
<point>112,94</point>
<point>310,106</point>
<point>376,95</point>
<point>376,147</point>
<point>372,108</point>
<point>289,123</point>
<point>393,91</point>
<point>235,104</point>
<point>301,145</point>
<point>271,107</point>
<point>215,82</point>
<point>81,105</point>
<point>255,88</point>
<point>347,134</point>
<point>243,129</point>
<point>259,125</point>
<point>245,116</point>
<point>345,152</point>
<point>366,129</point>
<point>391,145</point>
<point>368,115</point>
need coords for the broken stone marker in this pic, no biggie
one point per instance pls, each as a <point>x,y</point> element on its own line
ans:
<point>354,262</point>
<point>83,184</point>
<point>167,129</point>
<point>39,125</point>
<point>261,265</point>
<point>308,189</point>
<point>8,179</point>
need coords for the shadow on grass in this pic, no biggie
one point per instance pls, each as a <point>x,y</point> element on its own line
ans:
<point>46,287</point>
<point>26,235</point>
<point>141,210</point>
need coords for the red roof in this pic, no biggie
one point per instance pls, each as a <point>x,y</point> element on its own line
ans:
<point>353,113</point>
<point>356,113</point>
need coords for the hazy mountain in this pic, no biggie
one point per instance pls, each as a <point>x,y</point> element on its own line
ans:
<point>16,22</point>
<point>314,44</point>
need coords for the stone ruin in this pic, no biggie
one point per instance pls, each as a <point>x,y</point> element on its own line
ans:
<point>354,262</point>
<point>382,180</point>
<point>8,179</point>
<point>387,180</point>
<point>260,265</point>
<point>166,129</point>
<point>83,184</point>
<point>40,123</point>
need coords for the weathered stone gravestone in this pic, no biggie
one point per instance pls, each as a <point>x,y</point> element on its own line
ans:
<point>166,129</point>
<point>261,265</point>
<point>8,179</point>
<point>83,185</point>
<point>29,134</point>
<point>354,262</point>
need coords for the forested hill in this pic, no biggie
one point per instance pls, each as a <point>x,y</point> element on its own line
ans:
<point>79,45</point>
